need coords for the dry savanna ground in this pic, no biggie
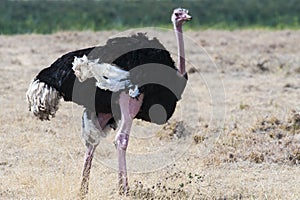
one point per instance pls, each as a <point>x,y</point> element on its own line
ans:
<point>235,134</point>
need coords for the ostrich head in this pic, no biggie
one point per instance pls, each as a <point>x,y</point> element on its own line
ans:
<point>180,15</point>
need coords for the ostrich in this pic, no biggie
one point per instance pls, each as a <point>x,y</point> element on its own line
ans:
<point>109,81</point>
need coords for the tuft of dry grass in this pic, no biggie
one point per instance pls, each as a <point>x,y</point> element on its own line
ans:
<point>270,140</point>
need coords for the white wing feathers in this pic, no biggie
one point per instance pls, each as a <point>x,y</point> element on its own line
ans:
<point>109,77</point>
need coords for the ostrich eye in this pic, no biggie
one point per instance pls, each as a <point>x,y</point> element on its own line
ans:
<point>176,14</point>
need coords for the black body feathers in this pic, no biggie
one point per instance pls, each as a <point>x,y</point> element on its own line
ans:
<point>151,68</point>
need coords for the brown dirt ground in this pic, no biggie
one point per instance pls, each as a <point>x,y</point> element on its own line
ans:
<point>235,134</point>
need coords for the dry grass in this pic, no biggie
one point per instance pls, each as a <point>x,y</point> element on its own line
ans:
<point>253,155</point>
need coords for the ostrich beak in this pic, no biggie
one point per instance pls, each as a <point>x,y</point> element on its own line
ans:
<point>187,17</point>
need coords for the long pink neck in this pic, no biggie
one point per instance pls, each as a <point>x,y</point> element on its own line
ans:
<point>180,44</point>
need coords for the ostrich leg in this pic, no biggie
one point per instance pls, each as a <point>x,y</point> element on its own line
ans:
<point>92,128</point>
<point>129,109</point>
<point>86,170</point>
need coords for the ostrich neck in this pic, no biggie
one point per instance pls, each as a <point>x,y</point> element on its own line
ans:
<point>180,44</point>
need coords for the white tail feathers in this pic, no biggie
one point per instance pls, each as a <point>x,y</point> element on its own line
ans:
<point>43,99</point>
